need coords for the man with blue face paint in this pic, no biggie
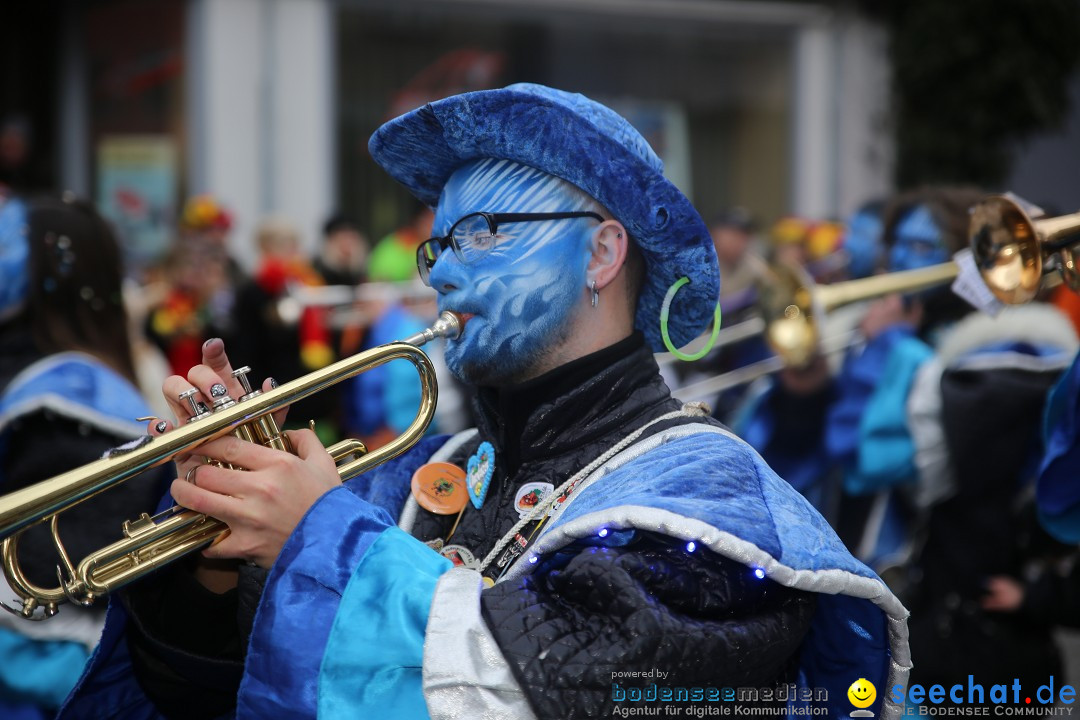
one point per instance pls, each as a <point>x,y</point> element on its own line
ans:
<point>612,549</point>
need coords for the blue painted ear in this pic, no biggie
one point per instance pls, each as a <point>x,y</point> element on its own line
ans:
<point>587,144</point>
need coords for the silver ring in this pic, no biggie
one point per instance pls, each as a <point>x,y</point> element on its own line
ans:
<point>190,475</point>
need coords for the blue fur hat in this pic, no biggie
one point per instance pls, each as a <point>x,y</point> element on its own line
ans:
<point>587,144</point>
<point>14,256</point>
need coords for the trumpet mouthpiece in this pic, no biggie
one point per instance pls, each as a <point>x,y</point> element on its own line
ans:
<point>447,326</point>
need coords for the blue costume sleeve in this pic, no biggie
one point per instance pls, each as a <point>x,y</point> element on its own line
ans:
<point>858,379</point>
<point>302,595</point>
<point>374,656</point>
<point>1058,491</point>
<point>886,453</point>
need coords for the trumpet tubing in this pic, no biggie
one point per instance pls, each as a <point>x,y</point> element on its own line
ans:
<point>150,542</point>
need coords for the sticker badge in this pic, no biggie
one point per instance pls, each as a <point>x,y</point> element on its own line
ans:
<point>480,469</point>
<point>530,495</point>
<point>439,487</point>
<point>459,555</point>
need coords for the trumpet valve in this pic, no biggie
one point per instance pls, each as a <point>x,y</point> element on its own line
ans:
<point>198,410</point>
<point>241,375</point>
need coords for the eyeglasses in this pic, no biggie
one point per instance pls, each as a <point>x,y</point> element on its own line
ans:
<point>473,236</point>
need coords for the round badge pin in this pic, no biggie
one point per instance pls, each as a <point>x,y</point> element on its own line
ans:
<point>530,495</point>
<point>439,487</point>
<point>459,555</point>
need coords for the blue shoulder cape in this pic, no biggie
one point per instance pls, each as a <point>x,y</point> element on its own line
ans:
<point>78,387</point>
<point>352,593</point>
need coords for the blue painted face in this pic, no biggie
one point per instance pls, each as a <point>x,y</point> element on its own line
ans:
<point>862,241</point>
<point>918,242</point>
<point>520,297</point>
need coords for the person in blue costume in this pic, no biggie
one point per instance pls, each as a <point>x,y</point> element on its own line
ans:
<point>822,432</point>
<point>922,425</point>
<point>66,397</point>
<point>615,549</point>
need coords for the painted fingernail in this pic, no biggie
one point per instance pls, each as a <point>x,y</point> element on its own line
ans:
<point>203,409</point>
<point>217,390</point>
<point>160,427</point>
<point>273,383</point>
<point>207,343</point>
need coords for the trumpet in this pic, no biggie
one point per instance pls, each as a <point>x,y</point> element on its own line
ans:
<point>151,542</point>
<point>1014,251</point>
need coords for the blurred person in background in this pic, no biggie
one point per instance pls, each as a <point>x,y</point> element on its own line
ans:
<point>382,402</point>
<point>862,243</point>
<point>787,241</point>
<point>20,172</point>
<point>205,220</point>
<point>67,395</point>
<point>201,279</point>
<point>276,341</point>
<point>733,233</point>
<point>393,258</point>
<point>196,289</point>
<point>825,259</point>
<point>343,252</point>
<point>920,428</point>
<point>685,552</point>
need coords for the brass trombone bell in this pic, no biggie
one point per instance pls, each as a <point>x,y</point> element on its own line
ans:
<point>1012,250</point>
<point>794,306</point>
<point>150,542</point>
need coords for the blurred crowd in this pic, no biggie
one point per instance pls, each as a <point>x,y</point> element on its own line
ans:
<point>912,421</point>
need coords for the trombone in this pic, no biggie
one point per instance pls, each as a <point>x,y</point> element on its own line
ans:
<point>794,306</point>
<point>792,310</point>
<point>150,542</point>
<point>1014,252</point>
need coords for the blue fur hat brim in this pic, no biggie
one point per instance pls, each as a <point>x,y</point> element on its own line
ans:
<point>587,144</point>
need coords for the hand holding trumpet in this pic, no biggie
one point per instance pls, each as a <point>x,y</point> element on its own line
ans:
<point>263,502</point>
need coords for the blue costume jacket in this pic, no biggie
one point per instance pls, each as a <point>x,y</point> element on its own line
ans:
<point>379,625</point>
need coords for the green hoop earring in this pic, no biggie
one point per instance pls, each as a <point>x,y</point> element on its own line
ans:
<point>666,308</point>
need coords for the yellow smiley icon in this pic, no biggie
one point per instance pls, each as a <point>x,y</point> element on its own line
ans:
<point>862,693</point>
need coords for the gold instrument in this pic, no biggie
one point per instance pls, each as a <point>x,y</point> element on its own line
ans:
<point>793,305</point>
<point>150,542</point>
<point>1013,251</point>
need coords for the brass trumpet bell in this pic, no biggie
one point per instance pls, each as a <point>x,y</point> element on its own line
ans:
<point>1012,250</point>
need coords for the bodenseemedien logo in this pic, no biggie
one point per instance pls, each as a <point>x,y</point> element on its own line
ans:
<point>862,695</point>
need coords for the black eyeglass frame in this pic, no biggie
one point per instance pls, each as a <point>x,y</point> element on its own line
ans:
<point>424,265</point>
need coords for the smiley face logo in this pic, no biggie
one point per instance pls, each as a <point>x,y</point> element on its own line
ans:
<point>862,693</point>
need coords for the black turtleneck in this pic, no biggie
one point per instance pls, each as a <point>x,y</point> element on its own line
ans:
<point>511,407</point>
